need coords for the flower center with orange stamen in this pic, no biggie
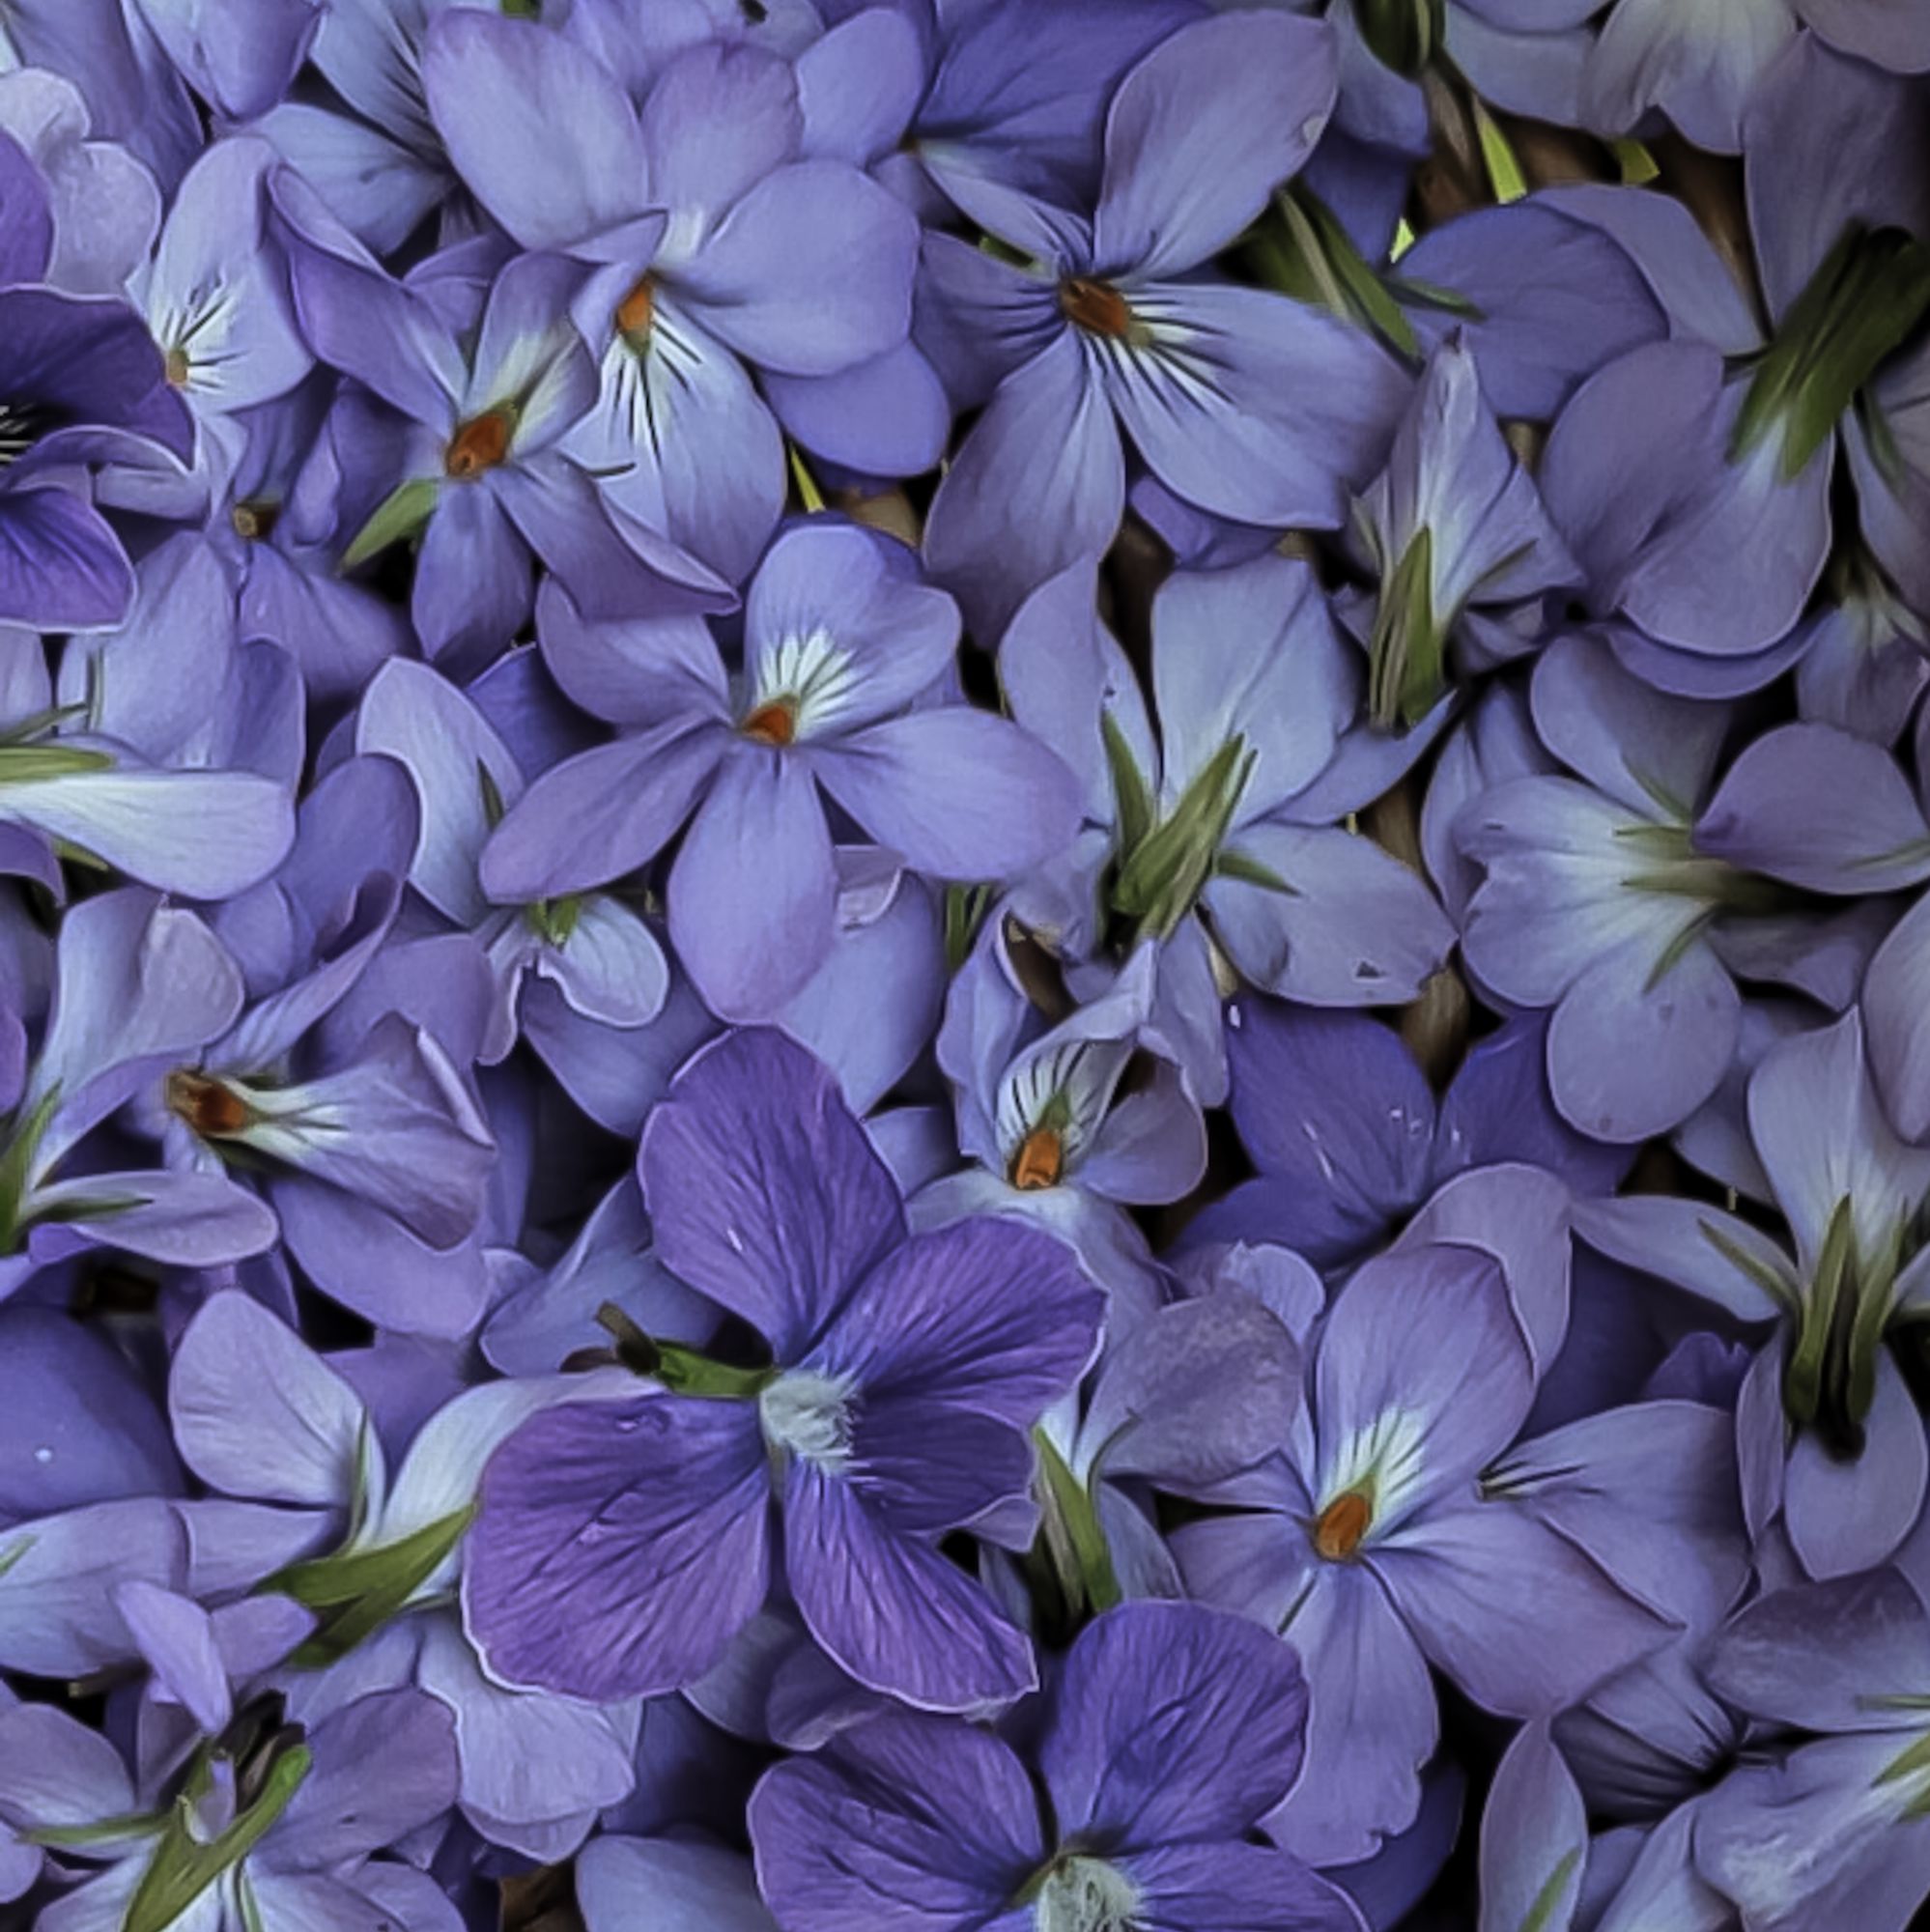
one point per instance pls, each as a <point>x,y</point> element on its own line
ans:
<point>1096,307</point>
<point>176,364</point>
<point>772,723</point>
<point>1343,1525</point>
<point>1040,1160</point>
<point>638,310</point>
<point>478,444</point>
<point>213,1111</point>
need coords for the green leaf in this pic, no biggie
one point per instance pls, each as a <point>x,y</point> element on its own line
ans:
<point>1870,294</point>
<point>1774,1286</point>
<point>1831,1282</point>
<point>14,1552</point>
<point>965,910</point>
<point>16,1167</point>
<point>182,1868</point>
<point>1313,259</point>
<point>1072,1520</point>
<point>524,9</point>
<point>552,920</point>
<point>26,764</point>
<point>1236,865</point>
<point>1504,171</point>
<point>1162,878</point>
<point>1541,1914</point>
<point>1637,163</point>
<point>25,731</point>
<point>401,513</point>
<point>491,795</point>
<point>104,1832</point>
<point>1131,794</point>
<point>356,1592</point>
<point>809,493</point>
<point>682,1371</point>
<point>1406,672</point>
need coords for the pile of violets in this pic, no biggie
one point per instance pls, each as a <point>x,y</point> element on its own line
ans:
<point>965,965</point>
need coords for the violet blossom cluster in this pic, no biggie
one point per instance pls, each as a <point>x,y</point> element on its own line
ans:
<point>965,965</point>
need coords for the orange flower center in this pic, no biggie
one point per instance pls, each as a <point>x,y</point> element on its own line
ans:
<point>176,364</point>
<point>479,444</point>
<point>638,310</point>
<point>1039,1162</point>
<point>772,723</point>
<point>1096,307</point>
<point>1343,1525</point>
<point>213,1111</point>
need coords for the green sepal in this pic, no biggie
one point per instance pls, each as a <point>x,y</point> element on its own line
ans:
<point>523,9</point>
<point>29,764</point>
<point>1072,1533</point>
<point>1825,1325</point>
<point>401,513</point>
<point>356,1592</point>
<point>16,1166</point>
<point>1497,157</point>
<point>1404,35</point>
<point>492,806</point>
<point>682,1371</point>
<point>1249,872</point>
<point>1758,1271</point>
<point>1162,878</point>
<point>1870,293</point>
<point>15,1553</point>
<point>1637,165</point>
<point>182,1868</point>
<point>104,1832</point>
<point>1313,258</point>
<point>809,493</point>
<point>965,910</point>
<point>1913,1761</point>
<point>1132,796</point>
<point>1541,1914</point>
<point>25,730</point>
<point>553,919</point>
<point>1405,654</point>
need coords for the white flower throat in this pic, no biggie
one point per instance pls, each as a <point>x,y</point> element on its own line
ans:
<point>807,1415</point>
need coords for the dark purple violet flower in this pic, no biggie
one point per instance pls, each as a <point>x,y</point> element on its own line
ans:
<point>620,1548</point>
<point>1239,401</point>
<point>1172,1731</point>
<point>1349,1140</point>
<point>845,687</point>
